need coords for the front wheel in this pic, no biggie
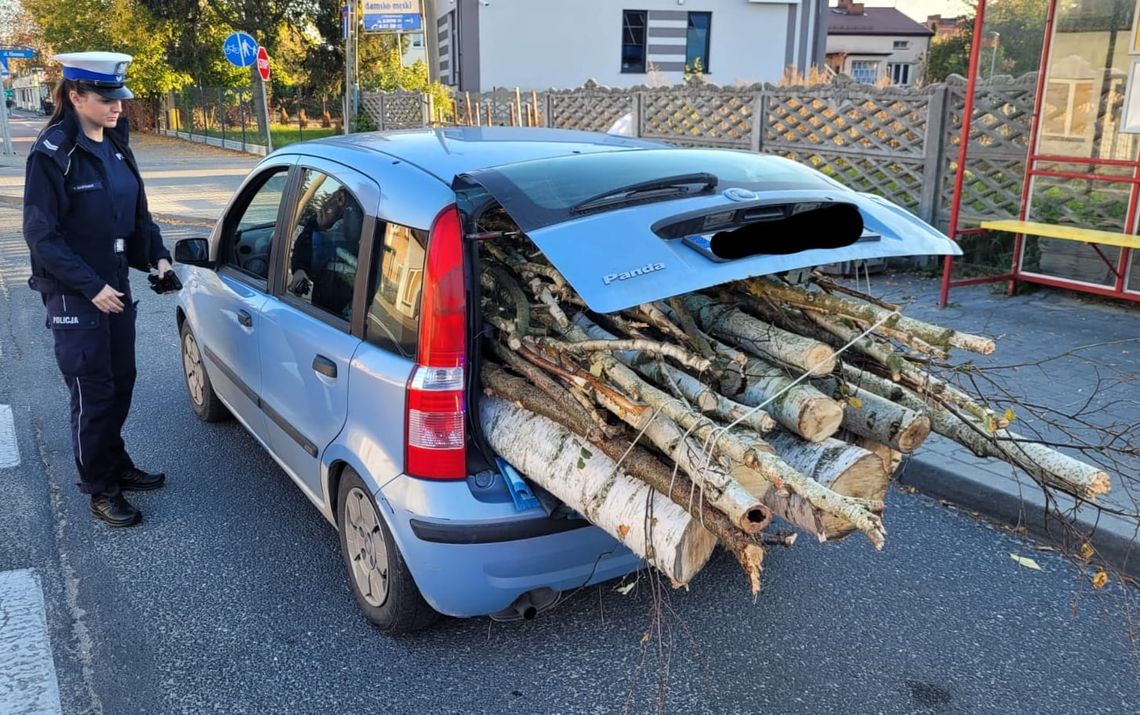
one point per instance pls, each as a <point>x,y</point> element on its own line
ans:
<point>380,579</point>
<point>198,386</point>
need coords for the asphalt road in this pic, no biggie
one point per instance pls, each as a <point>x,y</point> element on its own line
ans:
<point>231,596</point>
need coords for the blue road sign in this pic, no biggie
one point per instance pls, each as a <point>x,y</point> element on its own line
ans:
<point>240,49</point>
<point>4,67</point>
<point>23,53</point>
<point>392,16</point>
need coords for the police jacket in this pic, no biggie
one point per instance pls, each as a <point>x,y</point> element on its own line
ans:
<point>69,216</point>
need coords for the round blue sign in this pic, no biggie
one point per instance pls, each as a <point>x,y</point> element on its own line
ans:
<point>240,49</point>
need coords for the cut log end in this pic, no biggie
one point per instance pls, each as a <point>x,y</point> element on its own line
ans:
<point>819,419</point>
<point>822,357</point>
<point>913,435</point>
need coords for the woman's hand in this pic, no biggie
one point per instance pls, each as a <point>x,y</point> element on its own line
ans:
<point>108,301</point>
<point>163,267</point>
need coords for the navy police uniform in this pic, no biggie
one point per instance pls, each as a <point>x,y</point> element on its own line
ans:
<point>86,223</point>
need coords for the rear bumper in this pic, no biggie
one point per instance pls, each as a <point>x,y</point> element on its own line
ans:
<point>473,567</point>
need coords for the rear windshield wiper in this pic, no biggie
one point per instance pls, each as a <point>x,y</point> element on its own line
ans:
<point>665,187</point>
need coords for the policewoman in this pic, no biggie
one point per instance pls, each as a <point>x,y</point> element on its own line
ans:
<point>86,222</point>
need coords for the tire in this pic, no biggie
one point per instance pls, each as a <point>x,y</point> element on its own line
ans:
<point>198,386</point>
<point>380,580</point>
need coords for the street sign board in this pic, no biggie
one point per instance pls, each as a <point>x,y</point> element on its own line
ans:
<point>263,64</point>
<point>23,53</point>
<point>240,49</point>
<point>392,16</point>
<point>4,67</point>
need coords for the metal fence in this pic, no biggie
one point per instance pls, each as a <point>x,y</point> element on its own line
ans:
<point>228,117</point>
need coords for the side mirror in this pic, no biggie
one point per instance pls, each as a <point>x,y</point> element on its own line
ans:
<point>193,252</point>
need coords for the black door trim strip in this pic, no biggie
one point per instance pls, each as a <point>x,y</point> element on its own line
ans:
<point>271,413</point>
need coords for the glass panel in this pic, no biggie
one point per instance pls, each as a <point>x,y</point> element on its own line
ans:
<point>697,42</point>
<point>1084,92</point>
<point>325,244</point>
<point>1074,202</point>
<point>1134,272</point>
<point>864,71</point>
<point>394,308</point>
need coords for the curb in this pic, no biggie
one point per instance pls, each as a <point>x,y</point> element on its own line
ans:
<point>1016,502</point>
<point>203,221</point>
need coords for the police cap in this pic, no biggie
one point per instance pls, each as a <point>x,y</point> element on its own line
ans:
<point>103,72</point>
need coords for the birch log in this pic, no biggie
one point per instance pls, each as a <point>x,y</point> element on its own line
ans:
<point>644,520</point>
<point>868,415</point>
<point>933,334</point>
<point>1045,464</point>
<point>763,339</point>
<point>800,408</point>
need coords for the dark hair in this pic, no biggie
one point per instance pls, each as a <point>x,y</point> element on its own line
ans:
<point>62,98</point>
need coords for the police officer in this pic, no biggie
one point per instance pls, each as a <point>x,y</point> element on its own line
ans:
<point>86,221</point>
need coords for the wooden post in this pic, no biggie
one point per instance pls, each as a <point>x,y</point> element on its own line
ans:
<point>512,113</point>
<point>548,111</point>
<point>518,106</point>
<point>455,111</point>
<point>491,114</point>
<point>467,96</point>
<point>635,112</point>
<point>534,103</point>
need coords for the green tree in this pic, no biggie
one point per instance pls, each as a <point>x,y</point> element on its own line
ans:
<point>112,25</point>
<point>1020,29</point>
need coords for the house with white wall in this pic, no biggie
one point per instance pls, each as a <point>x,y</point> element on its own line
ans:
<point>869,43</point>
<point>480,45</point>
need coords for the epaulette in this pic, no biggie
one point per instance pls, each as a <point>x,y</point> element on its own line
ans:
<point>54,142</point>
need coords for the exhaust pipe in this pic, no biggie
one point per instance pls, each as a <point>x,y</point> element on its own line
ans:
<point>528,605</point>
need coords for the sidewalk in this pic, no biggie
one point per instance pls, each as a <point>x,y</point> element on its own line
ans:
<point>1077,355</point>
<point>186,183</point>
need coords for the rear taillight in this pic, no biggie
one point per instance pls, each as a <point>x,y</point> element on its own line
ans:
<point>436,445</point>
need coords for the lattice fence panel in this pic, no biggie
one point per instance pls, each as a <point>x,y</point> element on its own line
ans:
<point>372,106</point>
<point>882,121</point>
<point>698,117</point>
<point>898,180</point>
<point>999,144</point>
<point>403,110</point>
<point>591,108</point>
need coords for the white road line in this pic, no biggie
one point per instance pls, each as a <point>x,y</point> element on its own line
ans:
<point>27,671</point>
<point>9,450</point>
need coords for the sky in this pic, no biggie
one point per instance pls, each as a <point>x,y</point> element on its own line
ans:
<point>919,9</point>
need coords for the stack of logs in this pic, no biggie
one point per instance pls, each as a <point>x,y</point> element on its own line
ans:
<point>691,421</point>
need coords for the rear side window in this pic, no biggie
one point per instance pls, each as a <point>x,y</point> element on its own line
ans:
<point>393,321</point>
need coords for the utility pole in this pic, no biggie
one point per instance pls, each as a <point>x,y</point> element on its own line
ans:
<point>348,16</point>
<point>431,39</point>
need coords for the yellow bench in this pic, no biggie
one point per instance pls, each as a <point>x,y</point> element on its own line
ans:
<point>1091,237</point>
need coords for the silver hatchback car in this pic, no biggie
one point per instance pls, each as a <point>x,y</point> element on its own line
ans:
<point>332,313</point>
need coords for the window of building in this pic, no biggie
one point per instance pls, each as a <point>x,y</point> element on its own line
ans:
<point>900,73</point>
<point>394,297</point>
<point>865,71</point>
<point>324,245</point>
<point>1069,107</point>
<point>697,42</point>
<point>902,44</point>
<point>633,35</point>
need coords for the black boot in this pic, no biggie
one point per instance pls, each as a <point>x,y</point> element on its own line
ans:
<point>112,507</point>
<point>136,480</point>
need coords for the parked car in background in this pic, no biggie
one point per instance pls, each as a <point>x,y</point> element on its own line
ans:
<point>333,312</point>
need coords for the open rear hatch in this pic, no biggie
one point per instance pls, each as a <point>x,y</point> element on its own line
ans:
<point>630,227</point>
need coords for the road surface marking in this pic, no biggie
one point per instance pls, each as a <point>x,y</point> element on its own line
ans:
<point>9,450</point>
<point>27,671</point>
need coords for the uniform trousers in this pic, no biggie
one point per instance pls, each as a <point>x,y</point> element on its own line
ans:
<point>96,355</point>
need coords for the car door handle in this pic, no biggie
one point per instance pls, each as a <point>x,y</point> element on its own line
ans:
<point>324,366</point>
<point>245,318</point>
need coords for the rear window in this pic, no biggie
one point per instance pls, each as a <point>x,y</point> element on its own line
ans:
<point>541,193</point>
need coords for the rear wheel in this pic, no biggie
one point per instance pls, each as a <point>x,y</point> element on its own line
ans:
<point>198,386</point>
<point>380,579</point>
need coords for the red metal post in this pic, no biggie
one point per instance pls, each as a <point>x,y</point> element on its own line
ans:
<point>963,147</point>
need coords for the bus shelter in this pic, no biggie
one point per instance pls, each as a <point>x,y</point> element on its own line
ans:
<point>1076,226</point>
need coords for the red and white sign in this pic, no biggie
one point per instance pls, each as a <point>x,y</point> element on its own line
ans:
<point>263,64</point>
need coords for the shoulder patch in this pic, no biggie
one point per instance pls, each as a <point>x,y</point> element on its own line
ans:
<point>51,140</point>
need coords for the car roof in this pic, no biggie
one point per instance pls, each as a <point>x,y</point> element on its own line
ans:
<point>448,152</point>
